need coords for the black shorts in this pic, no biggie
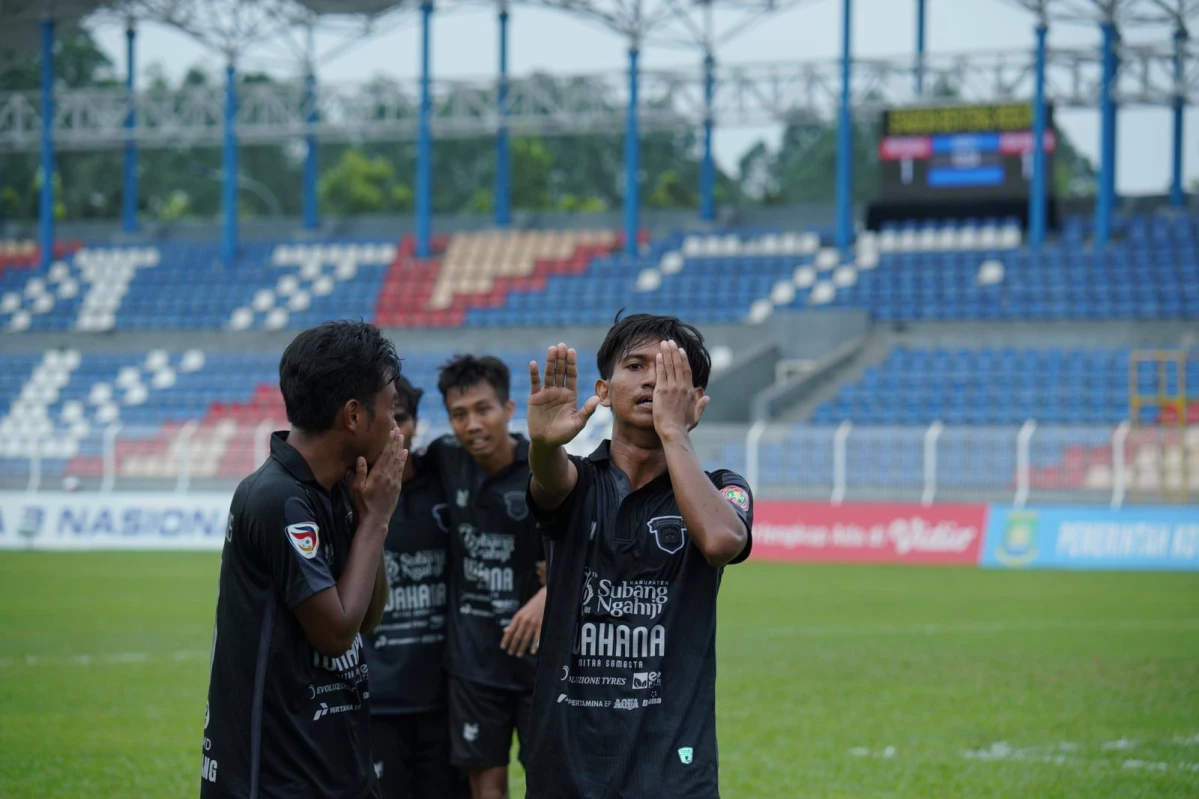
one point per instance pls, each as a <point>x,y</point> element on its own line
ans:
<point>482,720</point>
<point>411,752</point>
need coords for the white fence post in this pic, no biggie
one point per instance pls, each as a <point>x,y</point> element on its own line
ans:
<point>1119,475</point>
<point>930,462</point>
<point>840,458</point>
<point>262,442</point>
<point>753,440</point>
<point>109,477</point>
<point>35,464</point>
<point>1023,462</point>
<point>185,456</point>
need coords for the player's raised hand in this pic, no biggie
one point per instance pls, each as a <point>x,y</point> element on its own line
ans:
<point>555,417</point>
<point>678,404</point>
<point>376,492</point>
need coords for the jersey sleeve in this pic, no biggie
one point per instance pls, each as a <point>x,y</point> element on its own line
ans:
<point>289,538</point>
<point>735,491</point>
<point>555,524</point>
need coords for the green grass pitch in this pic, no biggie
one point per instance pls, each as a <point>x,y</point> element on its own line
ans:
<point>834,681</point>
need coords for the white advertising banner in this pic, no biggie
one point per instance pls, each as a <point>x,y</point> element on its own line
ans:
<point>121,520</point>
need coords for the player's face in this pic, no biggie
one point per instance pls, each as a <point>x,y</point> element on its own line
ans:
<point>378,426</point>
<point>406,422</point>
<point>630,391</point>
<point>479,419</point>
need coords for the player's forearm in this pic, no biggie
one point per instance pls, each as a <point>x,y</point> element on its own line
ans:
<point>554,476</point>
<point>356,588</point>
<point>374,613</point>
<point>712,524</point>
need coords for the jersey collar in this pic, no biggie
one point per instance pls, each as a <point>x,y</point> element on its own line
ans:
<point>290,458</point>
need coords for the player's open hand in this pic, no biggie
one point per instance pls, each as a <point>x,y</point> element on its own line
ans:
<point>678,404</point>
<point>375,493</point>
<point>555,417</point>
<point>524,633</point>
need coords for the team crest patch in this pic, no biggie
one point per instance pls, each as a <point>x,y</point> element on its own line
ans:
<point>305,537</point>
<point>669,533</point>
<point>737,496</point>
<point>686,755</point>
<point>514,503</point>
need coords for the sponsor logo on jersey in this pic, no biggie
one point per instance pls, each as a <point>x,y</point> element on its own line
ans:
<point>644,680</point>
<point>470,732</point>
<point>423,564</point>
<point>669,533</point>
<point>305,538</point>
<point>736,496</point>
<point>603,639</point>
<point>439,516</point>
<point>626,704</point>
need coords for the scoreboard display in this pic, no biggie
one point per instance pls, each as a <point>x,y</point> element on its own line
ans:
<point>960,153</point>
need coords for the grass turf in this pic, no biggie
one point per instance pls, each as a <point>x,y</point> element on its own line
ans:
<point>834,681</point>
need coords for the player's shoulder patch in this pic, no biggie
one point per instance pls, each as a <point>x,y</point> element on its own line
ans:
<point>305,538</point>
<point>737,496</point>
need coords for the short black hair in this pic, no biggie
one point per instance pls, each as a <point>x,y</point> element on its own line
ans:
<point>409,395</point>
<point>634,331</point>
<point>464,371</point>
<point>328,365</point>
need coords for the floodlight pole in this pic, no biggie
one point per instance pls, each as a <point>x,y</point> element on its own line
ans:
<point>1106,199</point>
<point>707,167</point>
<point>129,195</point>
<point>424,149</point>
<point>311,164</point>
<point>46,205</point>
<point>229,166</point>
<point>1178,197</point>
<point>844,190</point>
<point>921,27</point>
<point>503,185</point>
<point>632,147</point>
<point>1036,197</point>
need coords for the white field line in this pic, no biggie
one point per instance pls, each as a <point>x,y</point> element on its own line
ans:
<point>102,659</point>
<point>976,628</point>
<point>1061,754</point>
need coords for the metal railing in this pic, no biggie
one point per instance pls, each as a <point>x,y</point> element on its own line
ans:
<point>1030,463</point>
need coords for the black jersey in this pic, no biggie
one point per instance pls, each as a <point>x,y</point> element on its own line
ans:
<point>282,720</point>
<point>625,702</point>
<point>406,652</point>
<point>494,550</point>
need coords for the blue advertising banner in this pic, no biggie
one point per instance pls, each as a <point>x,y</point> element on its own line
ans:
<point>1133,538</point>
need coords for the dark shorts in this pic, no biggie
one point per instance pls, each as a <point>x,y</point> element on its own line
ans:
<point>411,752</point>
<point>482,720</point>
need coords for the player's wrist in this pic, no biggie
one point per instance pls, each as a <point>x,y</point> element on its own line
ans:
<point>372,525</point>
<point>673,433</point>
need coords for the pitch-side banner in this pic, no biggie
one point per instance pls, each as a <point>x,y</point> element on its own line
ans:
<point>868,533</point>
<point>1133,538</point>
<point>123,520</point>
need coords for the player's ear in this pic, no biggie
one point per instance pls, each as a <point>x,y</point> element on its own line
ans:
<point>353,415</point>
<point>509,409</point>
<point>601,391</point>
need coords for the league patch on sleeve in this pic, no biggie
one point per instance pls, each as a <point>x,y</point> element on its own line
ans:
<point>737,496</point>
<point>305,538</point>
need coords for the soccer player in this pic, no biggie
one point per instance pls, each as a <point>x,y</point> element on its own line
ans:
<point>496,597</point>
<point>302,575</point>
<point>410,734</point>
<point>639,536</point>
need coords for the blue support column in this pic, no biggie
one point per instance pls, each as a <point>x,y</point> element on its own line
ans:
<point>1178,197</point>
<point>229,169</point>
<point>632,167</point>
<point>424,148</point>
<point>844,185</point>
<point>1105,201</point>
<point>46,203</point>
<point>921,23</point>
<point>1037,203</point>
<point>503,177</point>
<point>707,167</point>
<point>129,196</point>
<point>311,165</point>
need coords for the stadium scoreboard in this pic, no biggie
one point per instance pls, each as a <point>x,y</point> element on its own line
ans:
<point>960,153</point>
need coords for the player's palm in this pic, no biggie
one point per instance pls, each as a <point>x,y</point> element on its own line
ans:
<point>555,417</point>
